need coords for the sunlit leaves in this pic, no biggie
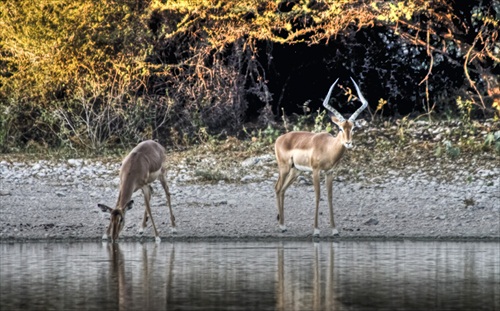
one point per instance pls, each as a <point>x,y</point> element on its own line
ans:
<point>49,43</point>
<point>205,57</point>
<point>393,11</point>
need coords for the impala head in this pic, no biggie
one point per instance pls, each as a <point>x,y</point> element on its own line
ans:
<point>345,126</point>
<point>117,219</point>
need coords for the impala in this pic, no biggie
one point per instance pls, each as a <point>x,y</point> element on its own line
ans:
<point>314,152</point>
<point>142,166</point>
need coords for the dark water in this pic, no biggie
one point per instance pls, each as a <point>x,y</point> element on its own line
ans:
<point>251,276</point>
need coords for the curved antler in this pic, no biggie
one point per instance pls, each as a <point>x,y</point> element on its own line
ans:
<point>330,108</point>
<point>362,99</point>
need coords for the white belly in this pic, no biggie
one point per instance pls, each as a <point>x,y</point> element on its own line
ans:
<point>303,168</point>
<point>153,176</point>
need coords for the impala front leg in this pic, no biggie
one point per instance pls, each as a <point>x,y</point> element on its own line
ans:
<point>144,222</point>
<point>146,190</point>
<point>106,209</point>
<point>280,197</point>
<point>315,175</point>
<point>108,232</point>
<point>286,178</point>
<point>329,184</point>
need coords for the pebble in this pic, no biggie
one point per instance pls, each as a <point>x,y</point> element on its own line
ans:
<point>75,162</point>
<point>262,159</point>
<point>247,178</point>
<point>371,221</point>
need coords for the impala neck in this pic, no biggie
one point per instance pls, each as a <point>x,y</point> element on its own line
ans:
<point>124,196</point>
<point>339,147</point>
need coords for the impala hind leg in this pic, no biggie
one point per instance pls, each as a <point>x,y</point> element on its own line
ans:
<point>316,182</point>
<point>164,184</point>
<point>144,222</point>
<point>146,190</point>
<point>329,183</point>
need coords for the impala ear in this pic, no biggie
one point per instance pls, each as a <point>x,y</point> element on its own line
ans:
<point>104,208</point>
<point>335,120</point>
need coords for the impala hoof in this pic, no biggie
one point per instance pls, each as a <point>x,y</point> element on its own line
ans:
<point>283,228</point>
<point>105,236</point>
<point>157,240</point>
<point>335,232</point>
<point>316,232</point>
<point>173,230</point>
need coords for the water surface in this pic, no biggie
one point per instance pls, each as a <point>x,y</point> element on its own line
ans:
<point>346,275</point>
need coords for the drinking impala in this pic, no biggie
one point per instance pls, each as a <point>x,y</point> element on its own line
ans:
<point>142,166</point>
<point>314,152</point>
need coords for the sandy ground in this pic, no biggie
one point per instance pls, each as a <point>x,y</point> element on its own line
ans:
<point>56,200</point>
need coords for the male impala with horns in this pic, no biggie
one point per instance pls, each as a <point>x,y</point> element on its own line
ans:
<point>314,152</point>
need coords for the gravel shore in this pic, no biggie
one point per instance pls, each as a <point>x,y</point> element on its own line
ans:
<point>56,200</point>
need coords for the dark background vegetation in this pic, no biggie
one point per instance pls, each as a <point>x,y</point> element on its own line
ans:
<point>92,74</point>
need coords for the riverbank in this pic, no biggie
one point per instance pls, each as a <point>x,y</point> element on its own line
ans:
<point>56,200</point>
<point>381,191</point>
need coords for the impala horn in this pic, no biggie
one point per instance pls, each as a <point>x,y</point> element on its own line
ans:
<point>363,101</point>
<point>330,108</point>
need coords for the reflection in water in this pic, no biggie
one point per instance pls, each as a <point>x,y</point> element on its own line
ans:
<point>312,291</point>
<point>250,275</point>
<point>117,276</point>
<point>136,283</point>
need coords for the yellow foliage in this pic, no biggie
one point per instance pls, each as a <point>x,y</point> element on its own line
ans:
<point>496,107</point>
<point>381,103</point>
<point>48,45</point>
<point>395,11</point>
<point>90,57</point>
